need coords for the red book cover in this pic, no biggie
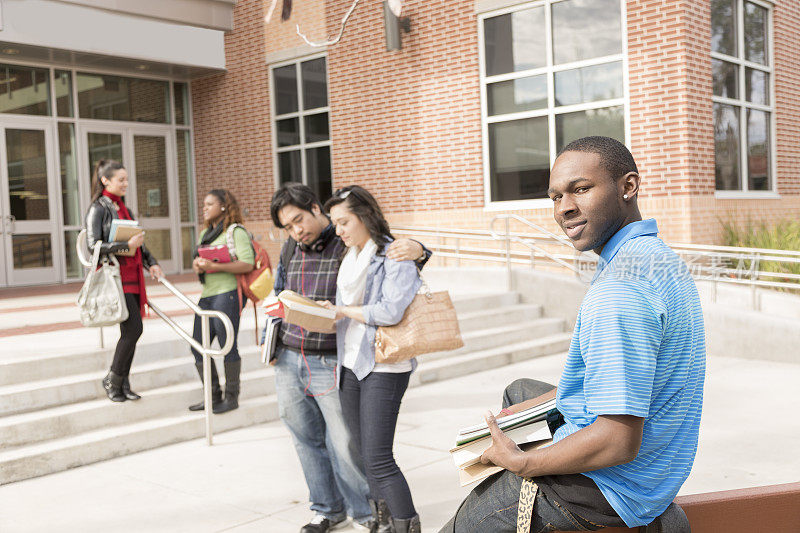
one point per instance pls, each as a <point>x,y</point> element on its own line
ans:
<point>275,309</point>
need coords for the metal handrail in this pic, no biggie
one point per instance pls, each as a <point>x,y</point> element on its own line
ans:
<point>716,263</point>
<point>205,329</point>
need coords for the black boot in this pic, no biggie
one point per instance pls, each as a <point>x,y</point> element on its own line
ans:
<point>380,517</point>
<point>126,390</point>
<point>216,391</point>
<point>409,525</point>
<point>112,384</point>
<point>231,401</point>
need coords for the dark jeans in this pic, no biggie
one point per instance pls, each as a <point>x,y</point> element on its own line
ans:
<point>492,506</point>
<point>129,332</point>
<point>228,303</point>
<point>370,409</point>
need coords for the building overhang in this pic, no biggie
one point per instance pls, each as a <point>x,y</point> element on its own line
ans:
<point>211,14</point>
<point>67,34</point>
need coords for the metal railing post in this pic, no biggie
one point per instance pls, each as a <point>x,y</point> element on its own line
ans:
<point>208,407</point>
<point>102,343</point>
<point>508,254</point>
<point>753,277</point>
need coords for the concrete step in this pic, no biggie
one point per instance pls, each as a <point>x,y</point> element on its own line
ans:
<point>56,408</point>
<point>469,363</point>
<point>500,316</point>
<point>35,395</point>
<point>54,455</point>
<point>484,301</point>
<point>153,347</point>
<point>160,343</point>
<point>70,452</point>
<point>487,339</point>
<point>73,388</point>
<point>63,421</point>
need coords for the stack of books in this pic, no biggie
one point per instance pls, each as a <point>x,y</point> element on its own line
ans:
<point>122,231</point>
<point>526,426</point>
<point>301,311</point>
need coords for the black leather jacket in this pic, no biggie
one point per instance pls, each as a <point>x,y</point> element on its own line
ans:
<point>98,227</point>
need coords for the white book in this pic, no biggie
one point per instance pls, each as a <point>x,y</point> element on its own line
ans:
<point>509,420</point>
<point>270,340</point>
<point>470,453</point>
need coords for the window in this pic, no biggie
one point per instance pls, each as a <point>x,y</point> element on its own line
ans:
<point>24,90</point>
<point>106,97</point>
<point>551,72</point>
<point>301,130</point>
<point>742,79</point>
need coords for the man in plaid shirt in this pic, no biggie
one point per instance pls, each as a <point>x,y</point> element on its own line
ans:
<point>305,372</point>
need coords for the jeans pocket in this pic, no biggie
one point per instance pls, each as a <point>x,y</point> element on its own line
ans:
<point>579,522</point>
<point>328,361</point>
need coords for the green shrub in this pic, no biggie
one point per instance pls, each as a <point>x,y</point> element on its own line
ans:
<point>783,235</point>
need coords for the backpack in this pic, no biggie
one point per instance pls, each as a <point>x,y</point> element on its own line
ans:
<point>261,265</point>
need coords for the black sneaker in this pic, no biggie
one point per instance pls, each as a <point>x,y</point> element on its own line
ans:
<point>321,524</point>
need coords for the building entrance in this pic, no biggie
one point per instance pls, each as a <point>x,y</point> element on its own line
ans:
<point>29,244</point>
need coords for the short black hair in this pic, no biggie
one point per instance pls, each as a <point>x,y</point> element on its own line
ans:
<point>296,194</point>
<point>614,156</point>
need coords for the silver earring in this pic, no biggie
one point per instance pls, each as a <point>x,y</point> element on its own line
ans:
<point>224,208</point>
<point>625,196</point>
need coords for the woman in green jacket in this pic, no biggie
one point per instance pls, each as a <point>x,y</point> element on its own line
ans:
<point>220,211</point>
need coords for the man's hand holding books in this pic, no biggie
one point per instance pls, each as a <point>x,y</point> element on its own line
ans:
<point>503,452</point>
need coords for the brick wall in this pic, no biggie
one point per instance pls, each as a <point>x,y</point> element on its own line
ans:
<point>231,118</point>
<point>406,124</point>
<point>786,18</point>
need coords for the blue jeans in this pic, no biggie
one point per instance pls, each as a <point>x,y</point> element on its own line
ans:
<point>308,401</point>
<point>370,408</point>
<point>228,303</point>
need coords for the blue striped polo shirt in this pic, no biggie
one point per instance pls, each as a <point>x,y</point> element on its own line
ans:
<point>638,349</point>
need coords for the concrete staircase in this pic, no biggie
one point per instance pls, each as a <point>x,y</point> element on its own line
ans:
<point>54,414</point>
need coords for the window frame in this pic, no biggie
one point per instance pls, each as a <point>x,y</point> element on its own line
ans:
<point>53,120</point>
<point>743,105</point>
<point>300,114</point>
<point>550,111</point>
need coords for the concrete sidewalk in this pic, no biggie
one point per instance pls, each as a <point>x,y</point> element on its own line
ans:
<point>250,480</point>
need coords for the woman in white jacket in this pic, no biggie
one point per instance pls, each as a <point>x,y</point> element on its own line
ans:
<point>372,290</point>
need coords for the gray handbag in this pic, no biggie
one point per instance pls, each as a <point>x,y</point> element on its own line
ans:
<point>101,300</point>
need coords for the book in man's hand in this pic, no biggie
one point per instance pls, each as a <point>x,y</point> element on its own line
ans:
<point>526,425</point>
<point>122,231</point>
<point>301,311</point>
<point>268,355</point>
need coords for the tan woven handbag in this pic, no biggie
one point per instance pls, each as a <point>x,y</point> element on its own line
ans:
<point>429,325</point>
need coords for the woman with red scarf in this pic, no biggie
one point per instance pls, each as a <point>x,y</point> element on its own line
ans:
<point>109,185</point>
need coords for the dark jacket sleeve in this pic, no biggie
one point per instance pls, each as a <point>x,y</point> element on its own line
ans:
<point>94,231</point>
<point>423,260</point>
<point>147,258</point>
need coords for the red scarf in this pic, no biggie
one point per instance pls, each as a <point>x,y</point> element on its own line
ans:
<point>130,267</point>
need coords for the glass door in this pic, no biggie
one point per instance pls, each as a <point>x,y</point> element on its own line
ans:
<point>155,194</point>
<point>146,153</point>
<point>28,205</point>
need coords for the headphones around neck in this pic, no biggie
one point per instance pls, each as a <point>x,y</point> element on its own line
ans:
<point>321,242</point>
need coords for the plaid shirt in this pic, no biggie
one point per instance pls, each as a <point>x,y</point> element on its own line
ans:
<point>313,275</point>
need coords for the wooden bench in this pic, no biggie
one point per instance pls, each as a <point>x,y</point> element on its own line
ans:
<point>769,509</point>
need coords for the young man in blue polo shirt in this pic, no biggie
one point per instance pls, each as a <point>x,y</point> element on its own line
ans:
<point>631,392</point>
